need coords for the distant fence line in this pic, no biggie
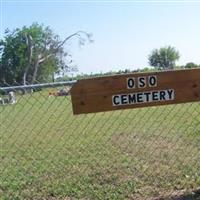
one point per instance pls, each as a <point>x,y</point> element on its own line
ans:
<point>37,86</point>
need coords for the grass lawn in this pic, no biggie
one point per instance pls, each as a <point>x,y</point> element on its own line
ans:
<point>47,153</point>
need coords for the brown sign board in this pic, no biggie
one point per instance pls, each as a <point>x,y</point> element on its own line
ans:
<point>135,90</point>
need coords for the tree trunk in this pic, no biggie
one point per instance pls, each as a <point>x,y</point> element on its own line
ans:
<point>53,78</point>
<point>24,77</point>
<point>41,58</point>
<point>35,71</point>
<point>30,53</point>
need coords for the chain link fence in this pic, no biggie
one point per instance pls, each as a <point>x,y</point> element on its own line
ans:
<point>48,153</point>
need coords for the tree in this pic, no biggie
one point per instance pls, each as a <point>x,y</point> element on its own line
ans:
<point>34,53</point>
<point>164,58</point>
<point>191,65</point>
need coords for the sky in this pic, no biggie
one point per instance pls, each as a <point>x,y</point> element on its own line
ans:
<point>124,32</point>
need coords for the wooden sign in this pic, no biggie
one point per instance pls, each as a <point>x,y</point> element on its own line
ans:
<point>135,90</point>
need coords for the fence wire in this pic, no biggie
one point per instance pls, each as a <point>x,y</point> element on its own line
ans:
<point>48,153</point>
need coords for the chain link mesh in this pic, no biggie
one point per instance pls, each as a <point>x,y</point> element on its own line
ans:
<point>48,153</point>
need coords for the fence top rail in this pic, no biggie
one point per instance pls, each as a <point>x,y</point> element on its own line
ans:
<point>37,86</point>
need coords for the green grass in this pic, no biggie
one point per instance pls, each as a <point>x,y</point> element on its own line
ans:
<point>47,153</point>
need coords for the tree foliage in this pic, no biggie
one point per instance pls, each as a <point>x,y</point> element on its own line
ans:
<point>34,54</point>
<point>191,65</point>
<point>164,58</point>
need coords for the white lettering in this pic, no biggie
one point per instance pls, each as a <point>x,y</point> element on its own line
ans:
<point>130,83</point>
<point>152,81</point>
<point>141,82</point>
<point>143,97</point>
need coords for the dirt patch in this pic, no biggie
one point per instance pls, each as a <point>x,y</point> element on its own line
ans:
<point>157,148</point>
<point>175,195</point>
<point>181,195</point>
<point>160,164</point>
